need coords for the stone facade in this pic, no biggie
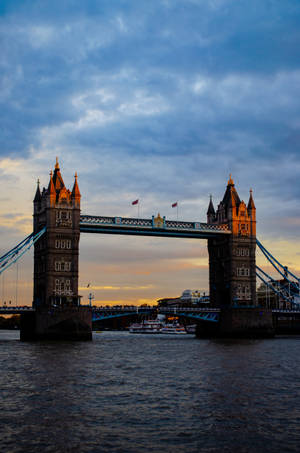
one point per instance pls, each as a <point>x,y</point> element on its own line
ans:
<point>239,322</point>
<point>62,323</point>
<point>232,271</point>
<point>56,252</point>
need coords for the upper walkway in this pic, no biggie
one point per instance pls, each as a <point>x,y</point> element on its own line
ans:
<point>8,310</point>
<point>157,226</point>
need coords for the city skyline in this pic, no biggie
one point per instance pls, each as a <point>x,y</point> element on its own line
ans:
<point>157,102</point>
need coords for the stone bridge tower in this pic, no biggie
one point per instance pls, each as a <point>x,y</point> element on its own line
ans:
<point>232,272</point>
<point>56,253</point>
<point>58,314</point>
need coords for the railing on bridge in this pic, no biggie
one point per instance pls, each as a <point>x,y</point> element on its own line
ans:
<point>197,313</point>
<point>175,310</point>
<point>104,313</point>
<point>163,227</point>
<point>11,310</point>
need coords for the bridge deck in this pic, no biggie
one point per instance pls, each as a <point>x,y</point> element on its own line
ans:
<point>140,310</point>
<point>15,310</point>
<point>149,227</point>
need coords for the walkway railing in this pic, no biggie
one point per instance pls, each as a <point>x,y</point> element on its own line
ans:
<point>163,227</point>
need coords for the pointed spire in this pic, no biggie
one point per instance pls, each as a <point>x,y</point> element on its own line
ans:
<point>75,190</point>
<point>51,188</point>
<point>232,200</point>
<point>37,197</point>
<point>57,178</point>
<point>230,181</point>
<point>211,209</point>
<point>251,205</point>
<point>56,164</point>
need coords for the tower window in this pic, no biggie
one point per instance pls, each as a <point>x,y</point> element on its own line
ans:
<point>242,252</point>
<point>63,218</point>
<point>243,272</point>
<point>62,266</point>
<point>63,244</point>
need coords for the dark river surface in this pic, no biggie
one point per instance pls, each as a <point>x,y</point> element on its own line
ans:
<point>142,393</point>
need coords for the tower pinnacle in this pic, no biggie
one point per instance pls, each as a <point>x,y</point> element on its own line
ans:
<point>75,190</point>
<point>56,164</point>
<point>230,181</point>
<point>37,197</point>
<point>251,205</point>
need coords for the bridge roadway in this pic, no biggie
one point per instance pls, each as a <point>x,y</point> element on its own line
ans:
<point>150,227</point>
<point>131,310</point>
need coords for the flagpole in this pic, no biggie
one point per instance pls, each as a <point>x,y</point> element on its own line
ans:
<point>138,206</point>
<point>175,205</point>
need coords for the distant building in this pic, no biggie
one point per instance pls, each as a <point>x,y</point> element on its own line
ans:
<point>188,298</point>
<point>194,296</point>
<point>167,302</point>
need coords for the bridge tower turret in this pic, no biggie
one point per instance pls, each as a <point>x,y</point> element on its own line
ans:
<point>56,253</point>
<point>211,214</point>
<point>232,271</point>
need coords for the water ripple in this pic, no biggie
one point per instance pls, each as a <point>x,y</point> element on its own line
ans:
<point>133,393</point>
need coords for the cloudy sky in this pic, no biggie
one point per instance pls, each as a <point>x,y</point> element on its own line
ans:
<point>158,100</point>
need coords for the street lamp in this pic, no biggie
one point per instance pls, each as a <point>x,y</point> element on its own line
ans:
<point>91,297</point>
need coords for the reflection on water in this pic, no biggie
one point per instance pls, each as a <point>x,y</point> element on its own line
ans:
<point>134,393</point>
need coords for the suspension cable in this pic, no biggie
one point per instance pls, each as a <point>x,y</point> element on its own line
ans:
<point>17,281</point>
<point>278,292</point>
<point>270,257</point>
<point>15,250</point>
<point>265,251</point>
<point>31,239</point>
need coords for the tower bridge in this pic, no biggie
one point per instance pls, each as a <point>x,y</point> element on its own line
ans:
<point>230,231</point>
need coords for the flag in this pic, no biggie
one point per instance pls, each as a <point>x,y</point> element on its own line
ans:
<point>174,205</point>
<point>135,202</point>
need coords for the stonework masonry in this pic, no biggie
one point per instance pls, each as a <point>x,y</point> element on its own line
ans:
<point>232,271</point>
<point>56,253</point>
<point>58,314</point>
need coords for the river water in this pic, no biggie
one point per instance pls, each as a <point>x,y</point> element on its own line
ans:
<point>149,393</point>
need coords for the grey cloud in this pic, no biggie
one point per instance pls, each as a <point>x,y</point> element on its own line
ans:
<point>163,99</point>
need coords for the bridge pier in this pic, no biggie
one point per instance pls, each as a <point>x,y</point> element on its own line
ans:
<point>239,322</point>
<point>67,323</point>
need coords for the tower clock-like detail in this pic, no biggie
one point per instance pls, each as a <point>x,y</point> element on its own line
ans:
<point>232,271</point>
<point>56,253</point>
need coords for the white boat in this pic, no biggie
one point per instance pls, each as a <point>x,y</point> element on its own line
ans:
<point>155,326</point>
<point>174,329</point>
<point>147,326</point>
